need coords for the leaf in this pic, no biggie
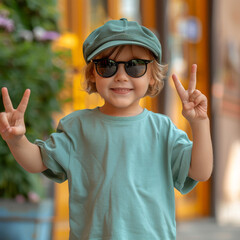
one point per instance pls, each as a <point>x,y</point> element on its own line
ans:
<point>31,65</point>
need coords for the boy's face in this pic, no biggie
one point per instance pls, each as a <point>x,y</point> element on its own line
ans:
<point>122,92</point>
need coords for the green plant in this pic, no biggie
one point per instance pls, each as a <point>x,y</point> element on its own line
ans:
<point>27,28</point>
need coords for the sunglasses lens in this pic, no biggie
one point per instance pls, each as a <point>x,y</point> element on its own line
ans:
<point>136,68</point>
<point>106,68</point>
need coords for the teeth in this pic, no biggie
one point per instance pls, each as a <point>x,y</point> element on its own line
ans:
<point>121,90</point>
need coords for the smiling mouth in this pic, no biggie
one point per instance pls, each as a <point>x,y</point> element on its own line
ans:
<point>121,90</point>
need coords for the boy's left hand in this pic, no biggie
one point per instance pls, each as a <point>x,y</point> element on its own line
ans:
<point>193,101</point>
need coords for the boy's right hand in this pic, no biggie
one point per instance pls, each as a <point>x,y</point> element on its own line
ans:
<point>12,126</point>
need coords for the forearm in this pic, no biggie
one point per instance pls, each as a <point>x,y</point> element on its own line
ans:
<point>202,153</point>
<point>27,155</point>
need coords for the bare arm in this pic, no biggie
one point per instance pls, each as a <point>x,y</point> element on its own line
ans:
<point>202,155</point>
<point>195,111</point>
<point>12,130</point>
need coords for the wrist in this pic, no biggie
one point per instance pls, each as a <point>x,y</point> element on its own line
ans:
<point>15,141</point>
<point>200,124</point>
<point>199,121</point>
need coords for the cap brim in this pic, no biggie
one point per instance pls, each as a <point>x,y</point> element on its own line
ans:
<point>118,43</point>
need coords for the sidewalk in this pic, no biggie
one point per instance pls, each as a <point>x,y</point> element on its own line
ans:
<point>206,229</point>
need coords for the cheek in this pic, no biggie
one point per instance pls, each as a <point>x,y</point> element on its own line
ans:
<point>101,84</point>
<point>149,78</point>
<point>142,86</point>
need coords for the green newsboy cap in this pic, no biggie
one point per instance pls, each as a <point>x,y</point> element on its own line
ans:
<point>120,32</point>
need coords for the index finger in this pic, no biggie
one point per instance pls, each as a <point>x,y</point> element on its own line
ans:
<point>24,102</point>
<point>6,100</point>
<point>179,87</point>
<point>193,79</point>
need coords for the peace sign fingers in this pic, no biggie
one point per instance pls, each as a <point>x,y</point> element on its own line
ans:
<point>184,94</point>
<point>8,103</point>
<point>12,120</point>
<point>194,102</point>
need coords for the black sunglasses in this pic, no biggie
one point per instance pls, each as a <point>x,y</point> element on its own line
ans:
<point>134,68</point>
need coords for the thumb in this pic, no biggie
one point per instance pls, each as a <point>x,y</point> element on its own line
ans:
<point>12,134</point>
<point>17,131</point>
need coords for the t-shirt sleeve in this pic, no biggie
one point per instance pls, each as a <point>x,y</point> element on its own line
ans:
<point>181,151</point>
<point>55,153</point>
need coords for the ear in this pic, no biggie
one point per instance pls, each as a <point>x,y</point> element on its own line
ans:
<point>92,78</point>
<point>152,81</point>
<point>93,75</point>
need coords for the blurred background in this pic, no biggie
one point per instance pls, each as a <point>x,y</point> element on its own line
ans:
<point>190,31</point>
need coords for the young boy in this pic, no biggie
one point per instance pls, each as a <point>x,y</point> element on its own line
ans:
<point>122,162</point>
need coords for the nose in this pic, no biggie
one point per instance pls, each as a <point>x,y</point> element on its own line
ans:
<point>121,74</point>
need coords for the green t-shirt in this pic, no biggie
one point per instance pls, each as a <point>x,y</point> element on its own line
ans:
<point>121,173</point>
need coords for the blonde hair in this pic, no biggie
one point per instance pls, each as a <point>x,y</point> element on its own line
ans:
<point>159,72</point>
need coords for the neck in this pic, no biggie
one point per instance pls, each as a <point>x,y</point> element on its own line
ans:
<point>121,112</point>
